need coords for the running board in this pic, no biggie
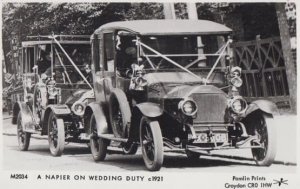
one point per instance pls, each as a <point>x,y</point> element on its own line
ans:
<point>112,137</point>
<point>32,131</point>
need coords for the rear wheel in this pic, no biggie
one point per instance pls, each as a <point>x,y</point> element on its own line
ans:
<point>264,128</point>
<point>98,145</point>
<point>152,144</point>
<point>119,112</point>
<point>117,120</point>
<point>56,135</point>
<point>23,137</point>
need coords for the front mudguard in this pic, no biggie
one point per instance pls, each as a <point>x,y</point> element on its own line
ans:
<point>101,121</point>
<point>263,105</point>
<point>150,109</point>
<point>255,111</point>
<point>59,110</point>
<point>147,109</point>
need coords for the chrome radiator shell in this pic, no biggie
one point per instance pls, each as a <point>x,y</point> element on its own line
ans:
<point>212,108</point>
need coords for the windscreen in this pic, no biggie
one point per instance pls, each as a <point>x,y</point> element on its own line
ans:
<point>63,70</point>
<point>79,53</point>
<point>188,51</point>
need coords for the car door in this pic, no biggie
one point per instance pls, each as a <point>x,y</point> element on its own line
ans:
<point>108,63</point>
<point>105,72</point>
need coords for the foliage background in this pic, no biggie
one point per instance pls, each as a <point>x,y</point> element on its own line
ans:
<point>24,19</point>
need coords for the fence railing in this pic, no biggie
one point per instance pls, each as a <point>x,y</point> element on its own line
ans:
<point>263,70</point>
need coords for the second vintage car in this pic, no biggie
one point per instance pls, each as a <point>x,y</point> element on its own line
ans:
<point>52,89</point>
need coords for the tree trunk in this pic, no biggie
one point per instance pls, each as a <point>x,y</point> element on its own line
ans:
<point>169,11</point>
<point>287,54</point>
<point>192,11</point>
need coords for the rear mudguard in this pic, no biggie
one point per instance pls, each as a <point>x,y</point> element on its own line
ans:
<point>101,121</point>
<point>263,105</point>
<point>58,110</point>
<point>27,119</point>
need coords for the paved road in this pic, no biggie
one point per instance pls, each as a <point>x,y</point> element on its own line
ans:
<point>78,157</point>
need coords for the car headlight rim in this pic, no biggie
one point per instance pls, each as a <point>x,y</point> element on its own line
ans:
<point>236,81</point>
<point>183,106</point>
<point>238,101</point>
<point>76,108</point>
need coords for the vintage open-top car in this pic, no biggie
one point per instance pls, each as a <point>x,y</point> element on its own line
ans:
<point>170,85</point>
<point>52,90</point>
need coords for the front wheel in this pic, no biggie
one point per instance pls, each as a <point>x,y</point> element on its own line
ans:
<point>98,145</point>
<point>56,135</point>
<point>265,129</point>
<point>23,137</point>
<point>152,144</point>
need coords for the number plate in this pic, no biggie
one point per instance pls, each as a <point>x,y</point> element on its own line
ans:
<point>218,137</point>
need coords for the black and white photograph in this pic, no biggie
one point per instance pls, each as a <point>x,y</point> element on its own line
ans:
<point>149,94</point>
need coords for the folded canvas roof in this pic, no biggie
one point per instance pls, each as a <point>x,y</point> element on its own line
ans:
<point>167,27</point>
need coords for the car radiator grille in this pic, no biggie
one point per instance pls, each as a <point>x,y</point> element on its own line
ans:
<point>211,108</point>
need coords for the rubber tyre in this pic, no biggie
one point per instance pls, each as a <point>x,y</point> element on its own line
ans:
<point>23,137</point>
<point>265,125</point>
<point>56,135</point>
<point>152,144</point>
<point>98,145</point>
